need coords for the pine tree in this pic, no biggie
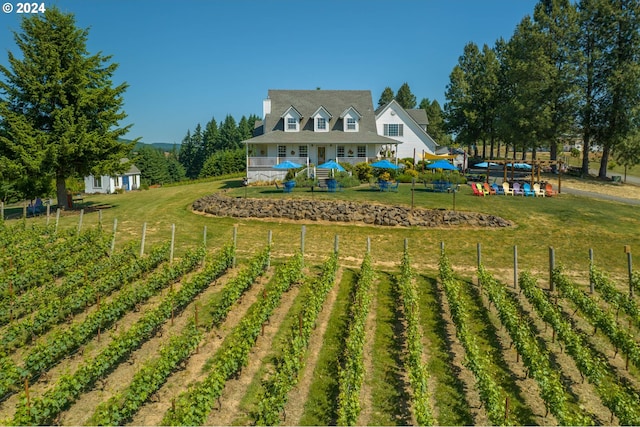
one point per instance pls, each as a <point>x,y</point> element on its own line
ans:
<point>386,97</point>
<point>59,112</point>
<point>405,98</point>
<point>229,135</point>
<point>210,138</point>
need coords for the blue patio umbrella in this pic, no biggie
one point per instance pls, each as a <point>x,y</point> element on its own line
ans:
<point>287,164</point>
<point>485,165</point>
<point>384,164</point>
<point>331,164</point>
<point>441,164</point>
<point>522,166</point>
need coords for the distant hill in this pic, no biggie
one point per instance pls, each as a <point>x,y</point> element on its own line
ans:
<point>164,146</point>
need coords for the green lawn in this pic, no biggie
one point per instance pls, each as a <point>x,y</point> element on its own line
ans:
<point>568,223</point>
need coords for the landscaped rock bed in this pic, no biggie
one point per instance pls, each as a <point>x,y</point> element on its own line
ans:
<point>342,211</point>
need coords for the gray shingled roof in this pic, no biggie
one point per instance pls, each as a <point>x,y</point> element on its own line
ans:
<point>419,115</point>
<point>307,102</point>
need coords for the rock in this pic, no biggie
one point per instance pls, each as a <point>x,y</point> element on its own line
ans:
<point>342,211</point>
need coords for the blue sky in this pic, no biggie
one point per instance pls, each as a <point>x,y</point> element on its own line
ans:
<point>187,61</point>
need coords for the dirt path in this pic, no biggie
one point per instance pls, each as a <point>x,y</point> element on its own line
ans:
<point>235,389</point>
<point>153,412</point>
<point>298,396</point>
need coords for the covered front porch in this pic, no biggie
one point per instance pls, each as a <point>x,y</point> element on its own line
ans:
<point>261,158</point>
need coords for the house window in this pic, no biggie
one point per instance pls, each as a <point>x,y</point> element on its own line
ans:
<point>292,123</point>
<point>282,151</point>
<point>303,151</point>
<point>340,152</point>
<point>97,182</point>
<point>362,151</point>
<point>351,123</point>
<point>393,129</point>
<point>321,123</point>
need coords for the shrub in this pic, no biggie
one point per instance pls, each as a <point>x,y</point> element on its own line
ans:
<point>363,171</point>
<point>346,180</point>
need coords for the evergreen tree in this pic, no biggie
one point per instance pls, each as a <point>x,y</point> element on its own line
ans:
<point>436,127</point>
<point>615,65</point>
<point>386,97</point>
<point>245,130</point>
<point>224,162</point>
<point>187,155</point>
<point>210,138</point>
<point>153,165</point>
<point>59,112</point>
<point>229,135</point>
<point>405,98</point>
<point>197,141</point>
<point>175,169</point>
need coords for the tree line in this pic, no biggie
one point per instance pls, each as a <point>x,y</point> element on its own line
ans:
<point>570,72</point>
<point>210,151</point>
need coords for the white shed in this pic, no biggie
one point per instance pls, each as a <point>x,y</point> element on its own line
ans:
<point>127,181</point>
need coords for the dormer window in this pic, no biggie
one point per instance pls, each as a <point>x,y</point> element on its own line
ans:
<point>291,119</point>
<point>351,120</point>
<point>321,119</point>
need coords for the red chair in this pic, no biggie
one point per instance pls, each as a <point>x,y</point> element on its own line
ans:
<point>476,191</point>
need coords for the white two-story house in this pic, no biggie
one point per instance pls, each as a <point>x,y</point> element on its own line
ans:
<point>310,127</point>
<point>409,127</point>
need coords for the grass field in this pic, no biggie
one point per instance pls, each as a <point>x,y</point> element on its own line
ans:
<point>570,224</point>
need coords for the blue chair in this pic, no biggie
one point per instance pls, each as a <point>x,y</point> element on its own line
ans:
<point>499,190</point>
<point>288,186</point>
<point>384,185</point>
<point>394,187</point>
<point>332,185</point>
<point>527,190</point>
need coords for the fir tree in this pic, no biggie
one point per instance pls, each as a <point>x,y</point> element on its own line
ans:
<point>59,112</point>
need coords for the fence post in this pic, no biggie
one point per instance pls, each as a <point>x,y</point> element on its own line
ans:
<point>302,233</point>
<point>335,244</point>
<point>235,245</point>
<point>173,242</point>
<point>113,239</point>
<point>204,236</point>
<point>552,265</point>
<point>591,284</point>
<point>441,248</point>
<point>627,249</point>
<point>144,236</point>
<point>48,213</point>
<point>57,220</point>
<point>368,245</point>
<point>406,244</point>
<point>80,221</point>
<point>269,237</point>
<point>515,266</point>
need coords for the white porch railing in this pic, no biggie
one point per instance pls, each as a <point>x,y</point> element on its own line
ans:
<point>355,160</point>
<point>262,162</point>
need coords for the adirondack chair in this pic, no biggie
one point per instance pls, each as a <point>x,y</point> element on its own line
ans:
<point>499,190</point>
<point>481,189</point>
<point>539,191</point>
<point>548,189</point>
<point>517,191</point>
<point>507,190</point>
<point>527,190</point>
<point>476,191</point>
<point>488,189</point>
